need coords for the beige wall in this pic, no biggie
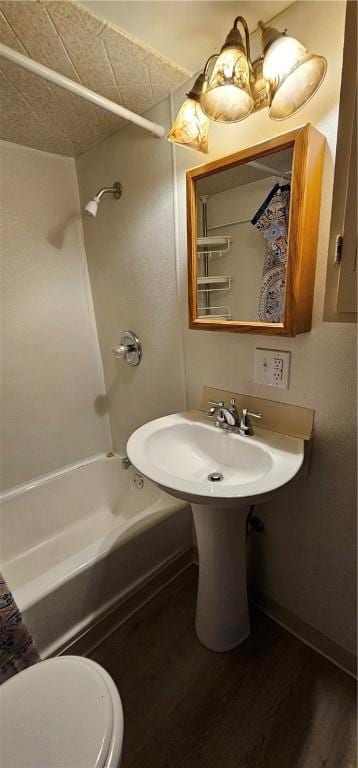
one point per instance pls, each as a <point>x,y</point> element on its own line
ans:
<point>306,558</point>
<point>52,372</point>
<point>130,251</point>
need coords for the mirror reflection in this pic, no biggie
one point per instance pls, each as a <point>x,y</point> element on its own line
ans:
<point>242,225</point>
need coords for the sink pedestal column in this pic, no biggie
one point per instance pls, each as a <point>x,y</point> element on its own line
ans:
<point>222,619</point>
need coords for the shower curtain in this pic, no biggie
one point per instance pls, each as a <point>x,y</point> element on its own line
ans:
<point>17,650</point>
<point>272,220</point>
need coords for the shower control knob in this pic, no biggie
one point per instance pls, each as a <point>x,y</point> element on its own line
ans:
<point>120,351</point>
<point>129,348</point>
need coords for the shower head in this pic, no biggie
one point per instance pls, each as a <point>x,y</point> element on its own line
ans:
<point>92,206</point>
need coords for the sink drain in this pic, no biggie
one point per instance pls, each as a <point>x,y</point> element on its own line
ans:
<point>215,477</point>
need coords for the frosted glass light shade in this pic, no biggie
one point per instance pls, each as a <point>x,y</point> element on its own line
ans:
<point>293,75</point>
<point>227,97</point>
<point>191,126</point>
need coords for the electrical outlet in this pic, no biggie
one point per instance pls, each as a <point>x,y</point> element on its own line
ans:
<point>272,367</point>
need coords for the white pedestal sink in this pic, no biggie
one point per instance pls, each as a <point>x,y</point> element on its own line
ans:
<point>221,474</point>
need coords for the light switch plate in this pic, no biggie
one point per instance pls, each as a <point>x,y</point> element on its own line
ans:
<point>272,367</point>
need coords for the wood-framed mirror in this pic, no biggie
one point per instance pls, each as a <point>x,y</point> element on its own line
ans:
<point>253,222</point>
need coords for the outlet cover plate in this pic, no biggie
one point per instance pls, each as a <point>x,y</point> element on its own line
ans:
<point>272,367</point>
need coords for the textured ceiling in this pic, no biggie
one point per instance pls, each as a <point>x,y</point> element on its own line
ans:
<point>65,36</point>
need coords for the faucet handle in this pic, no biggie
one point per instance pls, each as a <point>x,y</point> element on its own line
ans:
<point>120,351</point>
<point>215,404</point>
<point>245,424</point>
<point>254,415</point>
<point>233,409</point>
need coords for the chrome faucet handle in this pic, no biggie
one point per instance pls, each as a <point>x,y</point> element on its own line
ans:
<point>245,424</point>
<point>253,415</point>
<point>129,348</point>
<point>121,350</point>
<point>215,404</point>
<point>233,409</point>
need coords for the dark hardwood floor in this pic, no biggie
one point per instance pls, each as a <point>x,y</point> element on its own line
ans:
<point>271,703</point>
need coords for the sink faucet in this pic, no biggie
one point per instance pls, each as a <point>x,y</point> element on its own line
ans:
<point>224,416</point>
<point>229,418</point>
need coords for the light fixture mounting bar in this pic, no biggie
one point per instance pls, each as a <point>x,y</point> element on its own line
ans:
<point>259,86</point>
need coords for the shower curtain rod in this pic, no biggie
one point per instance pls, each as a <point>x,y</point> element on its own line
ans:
<point>80,90</point>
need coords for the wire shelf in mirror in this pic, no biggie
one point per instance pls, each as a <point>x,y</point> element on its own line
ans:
<point>214,283</point>
<point>213,243</point>
<point>217,313</point>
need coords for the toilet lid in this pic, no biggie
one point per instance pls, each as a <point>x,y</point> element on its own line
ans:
<point>56,713</point>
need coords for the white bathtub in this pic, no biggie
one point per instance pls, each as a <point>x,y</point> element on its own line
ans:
<point>75,542</point>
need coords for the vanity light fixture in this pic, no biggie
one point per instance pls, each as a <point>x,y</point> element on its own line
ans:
<point>191,126</point>
<point>293,75</point>
<point>283,79</point>
<point>227,97</point>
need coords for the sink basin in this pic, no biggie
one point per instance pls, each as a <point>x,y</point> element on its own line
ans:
<point>180,453</point>
<point>222,475</point>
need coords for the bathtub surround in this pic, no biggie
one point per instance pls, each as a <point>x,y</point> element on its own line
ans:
<point>131,260</point>
<point>73,543</point>
<point>52,371</point>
